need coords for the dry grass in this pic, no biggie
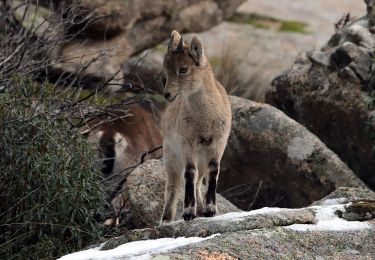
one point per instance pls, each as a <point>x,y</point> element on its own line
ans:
<point>227,72</point>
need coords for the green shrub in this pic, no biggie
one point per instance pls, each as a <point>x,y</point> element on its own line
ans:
<point>50,188</point>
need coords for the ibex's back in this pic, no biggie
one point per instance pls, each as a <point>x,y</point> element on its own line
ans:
<point>195,125</point>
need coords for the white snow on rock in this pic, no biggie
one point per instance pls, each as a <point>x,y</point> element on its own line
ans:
<point>236,216</point>
<point>135,250</point>
<point>336,201</point>
<point>327,219</point>
<point>233,216</point>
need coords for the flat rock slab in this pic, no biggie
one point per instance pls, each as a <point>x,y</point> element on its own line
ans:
<point>280,243</point>
<point>230,222</point>
<point>316,231</point>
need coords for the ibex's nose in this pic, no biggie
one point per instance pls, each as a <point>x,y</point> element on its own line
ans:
<point>167,95</point>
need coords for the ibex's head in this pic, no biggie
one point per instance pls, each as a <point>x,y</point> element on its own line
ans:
<point>184,65</point>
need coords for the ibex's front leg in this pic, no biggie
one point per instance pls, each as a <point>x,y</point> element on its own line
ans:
<point>191,176</point>
<point>172,187</point>
<point>210,199</point>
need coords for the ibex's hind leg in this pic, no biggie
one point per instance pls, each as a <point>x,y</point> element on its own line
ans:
<point>210,199</point>
<point>190,192</point>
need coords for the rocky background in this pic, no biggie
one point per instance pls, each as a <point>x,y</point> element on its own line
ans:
<point>330,91</point>
<point>297,177</point>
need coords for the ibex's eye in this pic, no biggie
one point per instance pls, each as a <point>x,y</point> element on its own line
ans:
<point>183,70</point>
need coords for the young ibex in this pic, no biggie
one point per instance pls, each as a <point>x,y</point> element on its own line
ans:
<point>195,126</point>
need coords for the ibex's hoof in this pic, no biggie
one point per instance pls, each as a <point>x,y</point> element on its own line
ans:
<point>189,214</point>
<point>209,214</point>
<point>209,211</point>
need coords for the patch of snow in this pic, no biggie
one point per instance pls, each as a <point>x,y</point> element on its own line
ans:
<point>85,254</point>
<point>135,250</point>
<point>232,216</point>
<point>327,220</point>
<point>334,201</point>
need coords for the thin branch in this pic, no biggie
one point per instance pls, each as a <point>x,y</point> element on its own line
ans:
<point>255,196</point>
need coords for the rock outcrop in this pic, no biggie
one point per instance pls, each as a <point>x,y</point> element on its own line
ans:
<point>331,92</point>
<point>323,231</point>
<point>145,189</point>
<point>348,194</point>
<point>271,160</point>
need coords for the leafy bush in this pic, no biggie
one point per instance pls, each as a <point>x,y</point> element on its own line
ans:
<point>50,188</point>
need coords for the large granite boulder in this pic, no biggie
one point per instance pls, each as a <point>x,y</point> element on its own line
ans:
<point>331,92</point>
<point>271,160</point>
<point>145,189</point>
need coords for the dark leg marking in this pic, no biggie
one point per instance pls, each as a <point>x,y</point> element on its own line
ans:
<point>211,191</point>
<point>107,146</point>
<point>189,202</point>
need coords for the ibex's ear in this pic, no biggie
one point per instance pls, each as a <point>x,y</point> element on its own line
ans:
<point>174,41</point>
<point>196,51</point>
